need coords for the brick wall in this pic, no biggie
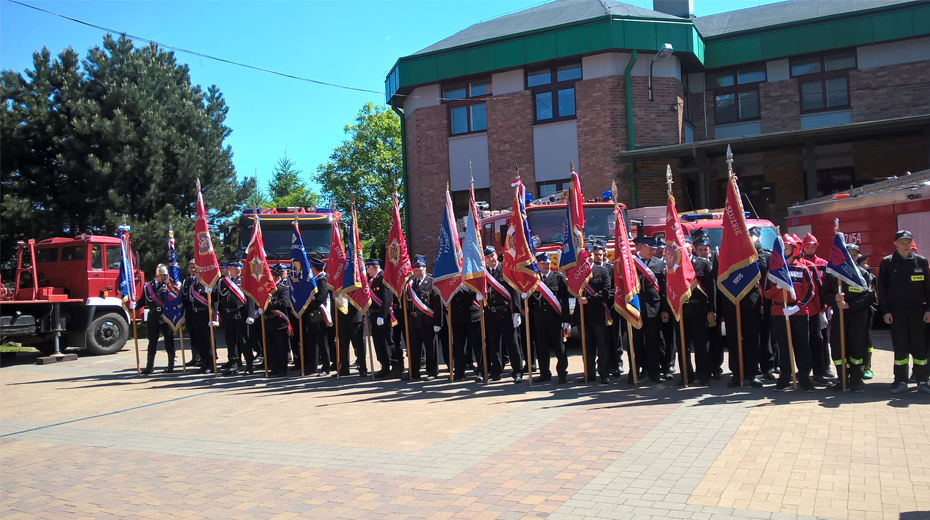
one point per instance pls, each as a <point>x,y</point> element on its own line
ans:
<point>601,111</point>
<point>428,173</point>
<point>510,143</point>
<point>780,105</point>
<point>890,91</point>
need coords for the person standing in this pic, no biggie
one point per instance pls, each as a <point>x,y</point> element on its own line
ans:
<point>501,319</point>
<point>816,309</point>
<point>424,312</point>
<point>187,304</point>
<point>549,309</point>
<point>697,313</point>
<point>597,301</point>
<point>381,317</point>
<point>466,333</point>
<point>319,322</point>
<point>903,297</point>
<point>648,340</point>
<point>278,323</point>
<point>863,262</point>
<point>199,320</point>
<point>153,297</point>
<point>855,303</point>
<point>235,310</point>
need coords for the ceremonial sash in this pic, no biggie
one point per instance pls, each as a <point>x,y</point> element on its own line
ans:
<point>235,289</point>
<point>326,317</point>
<point>290,331</point>
<point>498,287</point>
<point>547,294</point>
<point>150,292</point>
<point>417,302</point>
<point>199,297</point>
<point>380,303</point>
<point>646,272</point>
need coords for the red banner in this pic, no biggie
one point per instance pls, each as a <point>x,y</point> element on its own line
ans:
<point>336,264</point>
<point>737,255</point>
<point>257,281</point>
<point>204,256</point>
<point>577,266</point>
<point>360,295</point>
<point>397,262</point>
<point>679,275</point>
<point>517,252</point>
<point>626,282</point>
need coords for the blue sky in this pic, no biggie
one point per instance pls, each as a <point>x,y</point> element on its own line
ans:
<point>345,42</point>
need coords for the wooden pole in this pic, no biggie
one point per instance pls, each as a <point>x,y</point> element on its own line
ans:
<point>629,331</point>
<point>794,372</point>
<point>300,323</point>
<point>484,343</point>
<point>739,344</point>
<point>212,339</point>
<point>529,340</point>
<point>684,353</point>
<point>584,350</point>
<point>181,336</point>
<point>368,348</point>
<point>451,358</point>
<point>264,346</point>
<point>338,349</point>
<point>843,347</point>
<point>135,339</point>
<point>407,338</point>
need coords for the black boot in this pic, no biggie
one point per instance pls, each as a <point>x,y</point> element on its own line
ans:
<point>147,370</point>
<point>232,369</point>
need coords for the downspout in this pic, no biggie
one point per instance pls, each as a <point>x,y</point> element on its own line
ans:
<point>403,160</point>
<point>629,123</point>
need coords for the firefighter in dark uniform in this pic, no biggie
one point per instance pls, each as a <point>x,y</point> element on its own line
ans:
<point>768,352</point>
<point>199,320</point>
<point>319,322</point>
<point>502,316</point>
<point>278,324</point>
<point>702,248</point>
<point>235,310</point>
<point>862,261</point>
<point>424,312</point>
<point>466,333</point>
<point>380,318</point>
<point>794,310</point>
<point>654,310</point>
<point>856,305</point>
<point>351,331</point>
<point>751,310</point>
<point>187,304</point>
<point>697,313</point>
<point>153,297</point>
<point>550,322</point>
<point>597,302</point>
<point>903,298</point>
<point>669,327</point>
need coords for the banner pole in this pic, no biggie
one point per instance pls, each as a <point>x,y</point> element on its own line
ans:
<point>135,339</point>
<point>181,337</point>
<point>338,345</point>
<point>264,346</point>
<point>842,348</point>
<point>685,362</point>
<point>451,358</point>
<point>584,351</point>
<point>739,344</point>
<point>368,347</point>
<point>484,343</point>
<point>794,372</point>
<point>212,339</point>
<point>634,371</point>
<point>300,323</point>
<point>407,337</point>
<point>529,339</point>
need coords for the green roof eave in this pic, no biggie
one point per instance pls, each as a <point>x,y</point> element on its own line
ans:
<point>605,33</point>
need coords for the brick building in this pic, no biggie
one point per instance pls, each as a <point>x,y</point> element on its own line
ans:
<point>814,96</point>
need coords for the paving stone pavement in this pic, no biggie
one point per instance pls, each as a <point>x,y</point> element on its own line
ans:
<point>90,439</point>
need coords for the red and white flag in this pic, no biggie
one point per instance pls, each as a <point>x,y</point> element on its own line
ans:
<point>257,281</point>
<point>679,275</point>
<point>207,267</point>
<point>397,266</point>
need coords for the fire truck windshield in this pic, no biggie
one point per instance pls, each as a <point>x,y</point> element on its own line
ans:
<point>276,235</point>
<point>548,224</point>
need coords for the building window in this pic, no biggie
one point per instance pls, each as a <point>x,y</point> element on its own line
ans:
<point>553,90</point>
<point>460,200</point>
<point>550,187</point>
<point>835,180</point>
<point>736,93</point>
<point>824,80</point>
<point>467,109</point>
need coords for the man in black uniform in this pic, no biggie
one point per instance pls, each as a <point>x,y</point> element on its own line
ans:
<point>597,301</point>
<point>278,324</point>
<point>697,313</point>
<point>466,333</point>
<point>235,310</point>
<point>187,304</point>
<point>768,352</point>
<point>654,310</point>
<point>424,312</point>
<point>751,321</point>
<point>351,330</point>
<point>320,320</point>
<point>199,320</point>
<point>549,309</point>
<point>153,297</point>
<point>380,318</point>
<point>903,298</point>
<point>856,304</point>
<point>504,308</point>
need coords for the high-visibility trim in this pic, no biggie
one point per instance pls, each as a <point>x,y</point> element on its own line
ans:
<point>871,350</point>
<point>855,361</point>
<point>837,362</point>
<point>901,362</point>
<point>920,362</point>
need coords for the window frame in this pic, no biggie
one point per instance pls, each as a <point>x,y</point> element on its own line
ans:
<point>736,89</point>
<point>460,200</point>
<point>553,87</point>
<point>822,77</point>
<point>468,102</point>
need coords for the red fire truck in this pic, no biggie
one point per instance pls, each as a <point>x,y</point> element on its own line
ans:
<point>869,216</point>
<point>315,230</point>
<point>653,221</point>
<point>67,286</point>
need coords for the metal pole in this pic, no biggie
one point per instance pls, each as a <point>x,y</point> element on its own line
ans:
<point>629,330</point>
<point>181,337</point>
<point>338,346</point>
<point>684,354</point>
<point>371,360</point>
<point>584,351</point>
<point>794,372</point>
<point>212,339</point>
<point>135,338</point>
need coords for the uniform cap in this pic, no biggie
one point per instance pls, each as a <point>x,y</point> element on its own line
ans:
<point>191,262</point>
<point>224,263</point>
<point>235,263</point>
<point>316,261</point>
<point>543,258</point>
<point>372,261</point>
<point>903,234</point>
<point>161,269</point>
<point>658,242</point>
<point>277,269</point>
<point>851,247</point>
<point>419,261</point>
<point>599,246</point>
<point>755,231</point>
<point>489,250</point>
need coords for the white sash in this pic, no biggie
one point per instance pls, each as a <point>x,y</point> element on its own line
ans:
<point>497,286</point>
<point>235,289</point>
<point>644,269</point>
<point>422,307</point>
<point>547,294</point>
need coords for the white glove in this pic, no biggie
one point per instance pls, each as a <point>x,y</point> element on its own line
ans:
<point>259,311</point>
<point>824,321</point>
<point>794,309</point>
<point>566,328</point>
<point>214,324</point>
<point>829,313</point>
<point>523,295</point>
<point>132,305</point>
<point>479,297</point>
<point>436,328</point>
<point>380,321</point>
<point>517,320</point>
<point>250,320</point>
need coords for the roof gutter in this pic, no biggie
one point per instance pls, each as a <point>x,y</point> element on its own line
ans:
<point>403,160</point>
<point>630,141</point>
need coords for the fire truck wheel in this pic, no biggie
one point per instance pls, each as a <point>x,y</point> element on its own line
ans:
<point>107,335</point>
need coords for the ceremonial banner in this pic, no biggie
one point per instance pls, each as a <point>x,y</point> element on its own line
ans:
<point>301,283</point>
<point>447,270</point>
<point>125,281</point>
<point>173,311</point>
<point>841,265</point>
<point>778,268</point>
<point>574,261</point>
<point>257,281</point>
<point>680,276</point>
<point>336,264</point>
<point>473,273</point>
<point>626,282</point>
<point>354,283</point>
<point>519,265</point>
<point>207,267</point>
<point>737,256</point>
<point>397,262</point>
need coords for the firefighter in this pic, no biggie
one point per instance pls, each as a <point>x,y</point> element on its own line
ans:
<point>153,297</point>
<point>903,296</point>
<point>198,317</point>
<point>647,340</point>
<point>855,303</point>
<point>698,312</point>
<point>380,317</point>
<point>424,312</point>
<point>504,307</point>
<point>278,323</point>
<point>549,309</point>
<point>235,310</point>
<point>862,261</point>
<point>196,347</point>
<point>819,311</point>
<point>597,301</point>
<point>320,321</point>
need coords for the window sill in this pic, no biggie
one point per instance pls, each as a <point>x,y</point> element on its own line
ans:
<point>468,134</point>
<point>555,120</point>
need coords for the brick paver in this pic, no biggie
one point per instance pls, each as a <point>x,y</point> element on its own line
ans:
<point>90,439</point>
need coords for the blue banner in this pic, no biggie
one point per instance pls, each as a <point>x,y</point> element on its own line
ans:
<point>778,268</point>
<point>174,304</point>
<point>841,265</point>
<point>301,282</point>
<point>738,281</point>
<point>125,281</point>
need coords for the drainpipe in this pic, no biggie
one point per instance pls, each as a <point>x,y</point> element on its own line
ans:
<point>629,123</point>
<point>403,160</point>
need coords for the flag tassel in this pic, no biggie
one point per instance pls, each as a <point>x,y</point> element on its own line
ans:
<point>794,371</point>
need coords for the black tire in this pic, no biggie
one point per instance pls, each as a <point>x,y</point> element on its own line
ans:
<point>107,334</point>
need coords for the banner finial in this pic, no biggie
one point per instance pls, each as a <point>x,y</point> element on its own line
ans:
<point>729,160</point>
<point>669,179</point>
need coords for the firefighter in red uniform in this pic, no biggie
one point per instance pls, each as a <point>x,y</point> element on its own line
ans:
<point>816,310</point>
<point>785,308</point>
